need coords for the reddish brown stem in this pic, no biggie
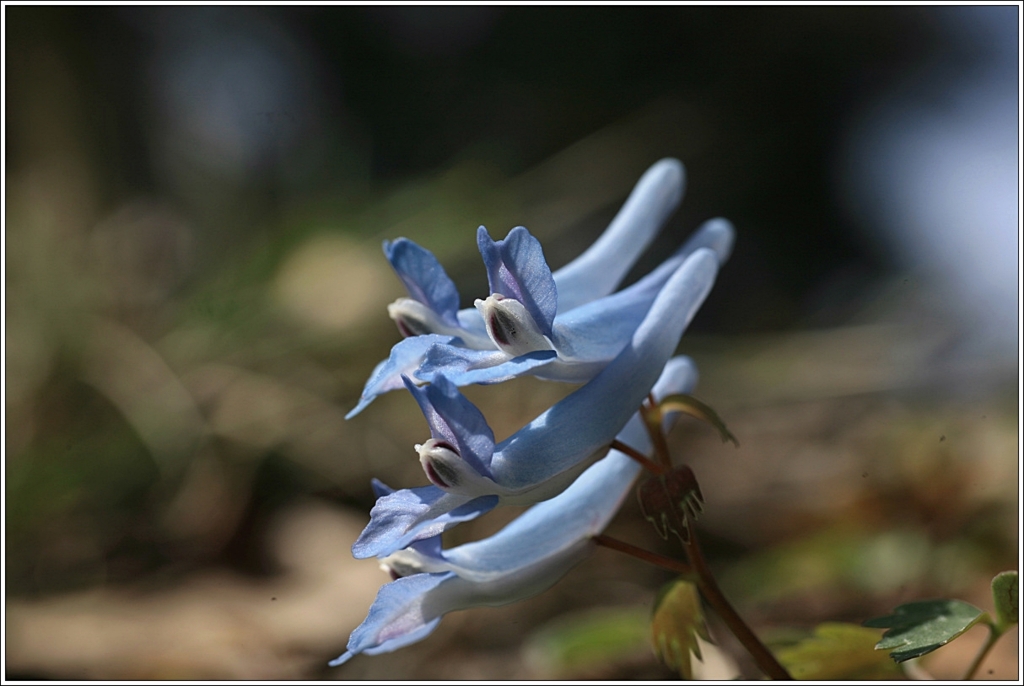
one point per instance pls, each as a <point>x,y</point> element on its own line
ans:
<point>649,464</point>
<point>713,594</point>
<point>645,555</point>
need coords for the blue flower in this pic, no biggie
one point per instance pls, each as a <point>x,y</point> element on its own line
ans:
<point>565,326</point>
<point>523,559</point>
<point>471,475</point>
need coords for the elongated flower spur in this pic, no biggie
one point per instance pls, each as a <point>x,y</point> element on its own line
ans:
<point>563,326</point>
<point>523,559</point>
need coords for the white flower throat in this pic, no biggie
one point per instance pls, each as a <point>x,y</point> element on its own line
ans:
<point>510,326</point>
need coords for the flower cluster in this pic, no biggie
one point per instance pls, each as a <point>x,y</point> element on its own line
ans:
<point>569,325</point>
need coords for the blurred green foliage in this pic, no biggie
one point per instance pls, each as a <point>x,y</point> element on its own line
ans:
<point>589,642</point>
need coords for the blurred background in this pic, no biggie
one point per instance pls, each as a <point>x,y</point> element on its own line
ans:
<point>195,295</point>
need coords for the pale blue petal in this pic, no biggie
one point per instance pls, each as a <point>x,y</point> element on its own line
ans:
<point>399,616</point>
<point>599,330</point>
<point>406,356</point>
<point>413,514</point>
<point>424,278</point>
<point>717,234</point>
<point>463,366</point>
<point>574,371</point>
<point>599,410</point>
<point>471,321</point>
<point>598,271</point>
<point>453,359</point>
<point>516,268</point>
<point>455,420</point>
<point>552,526</point>
<point>428,547</point>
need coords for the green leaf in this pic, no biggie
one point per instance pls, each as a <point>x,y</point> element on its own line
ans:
<point>677,621</point>
<point>695,408</point>
<point>671,501</point>
<point>1004,593</point>
<point>918,628</point>
<point>838,651</point>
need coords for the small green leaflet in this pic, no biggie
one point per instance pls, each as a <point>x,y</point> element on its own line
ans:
<point>677,621</point>
<point>671,501</point>
<point>918,628</point>
<point>838,651</point>
<point>695,408</point>
<point>1005,595</point>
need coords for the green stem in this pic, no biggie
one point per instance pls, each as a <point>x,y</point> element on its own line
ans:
<point>645,555</point>
<point>713,594</point>
<point>993,635</point>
